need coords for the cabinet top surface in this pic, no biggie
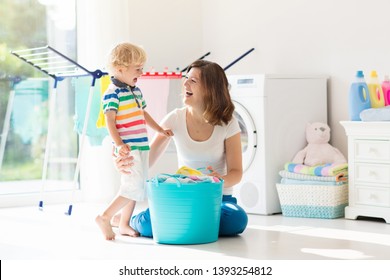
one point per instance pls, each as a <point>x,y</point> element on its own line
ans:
<point>380,129</point>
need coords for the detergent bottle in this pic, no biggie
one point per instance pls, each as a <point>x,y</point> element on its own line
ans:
<point>359,98</point>
<point>386,90</point>
<point>376,93</point>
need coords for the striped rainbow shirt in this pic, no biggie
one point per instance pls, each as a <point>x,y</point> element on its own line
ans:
<point>130,121</point>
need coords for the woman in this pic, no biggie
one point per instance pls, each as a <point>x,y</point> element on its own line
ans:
<point>205,134</point>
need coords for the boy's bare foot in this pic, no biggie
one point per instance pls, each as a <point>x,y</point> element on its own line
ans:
<point>128,230</point>
<point>105,227</point>
<point>115,220</point>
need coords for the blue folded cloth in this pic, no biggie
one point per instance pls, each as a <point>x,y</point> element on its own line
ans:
<point>376,114</point>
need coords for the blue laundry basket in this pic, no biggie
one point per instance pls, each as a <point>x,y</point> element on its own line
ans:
<point>184,213</point>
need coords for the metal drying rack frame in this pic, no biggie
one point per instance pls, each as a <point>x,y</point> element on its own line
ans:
<point>13,80</point>
<point>58,66</point>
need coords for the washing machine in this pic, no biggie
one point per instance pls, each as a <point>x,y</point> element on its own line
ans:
<point>273,111</point>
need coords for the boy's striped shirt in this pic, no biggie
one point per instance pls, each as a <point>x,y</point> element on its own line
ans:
<point>130,121</point>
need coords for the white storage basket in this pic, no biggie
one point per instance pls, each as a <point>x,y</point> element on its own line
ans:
<point>313,201</point>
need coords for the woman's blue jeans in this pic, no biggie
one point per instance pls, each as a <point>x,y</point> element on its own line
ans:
<point>233,219</point>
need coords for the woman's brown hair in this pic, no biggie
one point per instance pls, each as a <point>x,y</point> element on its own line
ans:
<point>219,107</point>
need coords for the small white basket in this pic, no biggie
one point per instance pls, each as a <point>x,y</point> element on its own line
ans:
<point>313,201</point>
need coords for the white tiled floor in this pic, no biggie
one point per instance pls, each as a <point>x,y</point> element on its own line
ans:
<point>27,233</point>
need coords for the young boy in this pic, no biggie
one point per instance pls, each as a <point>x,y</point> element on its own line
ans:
<point>123,106</point>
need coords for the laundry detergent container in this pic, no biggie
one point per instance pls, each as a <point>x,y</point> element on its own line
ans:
<point>184,213</point>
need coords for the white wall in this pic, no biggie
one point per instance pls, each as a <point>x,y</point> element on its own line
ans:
<point>170,32</point>
<point>327,37</point>
<point>331,37</point>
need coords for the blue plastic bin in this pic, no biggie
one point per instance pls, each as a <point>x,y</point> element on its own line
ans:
<point>185,213</point>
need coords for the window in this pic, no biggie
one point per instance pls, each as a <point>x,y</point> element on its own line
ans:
<point>25,94</point>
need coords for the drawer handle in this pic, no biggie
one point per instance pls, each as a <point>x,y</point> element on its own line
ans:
<point>371,173</point>
<point>371,150</point>
<point>372,197</point>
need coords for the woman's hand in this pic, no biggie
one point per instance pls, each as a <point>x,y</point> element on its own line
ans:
<point>123,150</point>
<point>122,164</point>
<point>212,172</point>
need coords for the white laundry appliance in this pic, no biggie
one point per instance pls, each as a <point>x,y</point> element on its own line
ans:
<point>272,111</point>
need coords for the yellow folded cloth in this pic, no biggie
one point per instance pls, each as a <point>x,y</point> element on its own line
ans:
<point>185,170</point>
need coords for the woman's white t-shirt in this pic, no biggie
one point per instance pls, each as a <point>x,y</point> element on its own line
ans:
<point>200,154</point>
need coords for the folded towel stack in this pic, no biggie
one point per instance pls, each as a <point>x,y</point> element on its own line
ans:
<point>330,172</point>
<point>313,191</point>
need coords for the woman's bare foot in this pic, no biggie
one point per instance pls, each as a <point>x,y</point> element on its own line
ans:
<point>115,220</point>
<point>105,227</point>
<point>128,230</point>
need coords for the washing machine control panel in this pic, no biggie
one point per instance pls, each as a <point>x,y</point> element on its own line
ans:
<point>245,81</point>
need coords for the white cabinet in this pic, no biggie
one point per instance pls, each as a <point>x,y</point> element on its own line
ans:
<point>369,169</point>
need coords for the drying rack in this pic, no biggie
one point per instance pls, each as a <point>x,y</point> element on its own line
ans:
<point>238,59</point>
<point>58,66</point>
<point>7,118</point>
<point>176,75</point>
<point>229,65</point>
<point>169,75</point>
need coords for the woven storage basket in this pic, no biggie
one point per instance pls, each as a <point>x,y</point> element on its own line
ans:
<point>313,201</point>
<point>185,213</point>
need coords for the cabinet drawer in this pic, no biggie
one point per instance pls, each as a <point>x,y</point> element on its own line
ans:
<point>372,173</point>
<point>373,196</point>
<point>372,150</point>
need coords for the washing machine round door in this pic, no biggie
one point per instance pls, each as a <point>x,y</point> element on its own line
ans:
<point>248,135</point>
